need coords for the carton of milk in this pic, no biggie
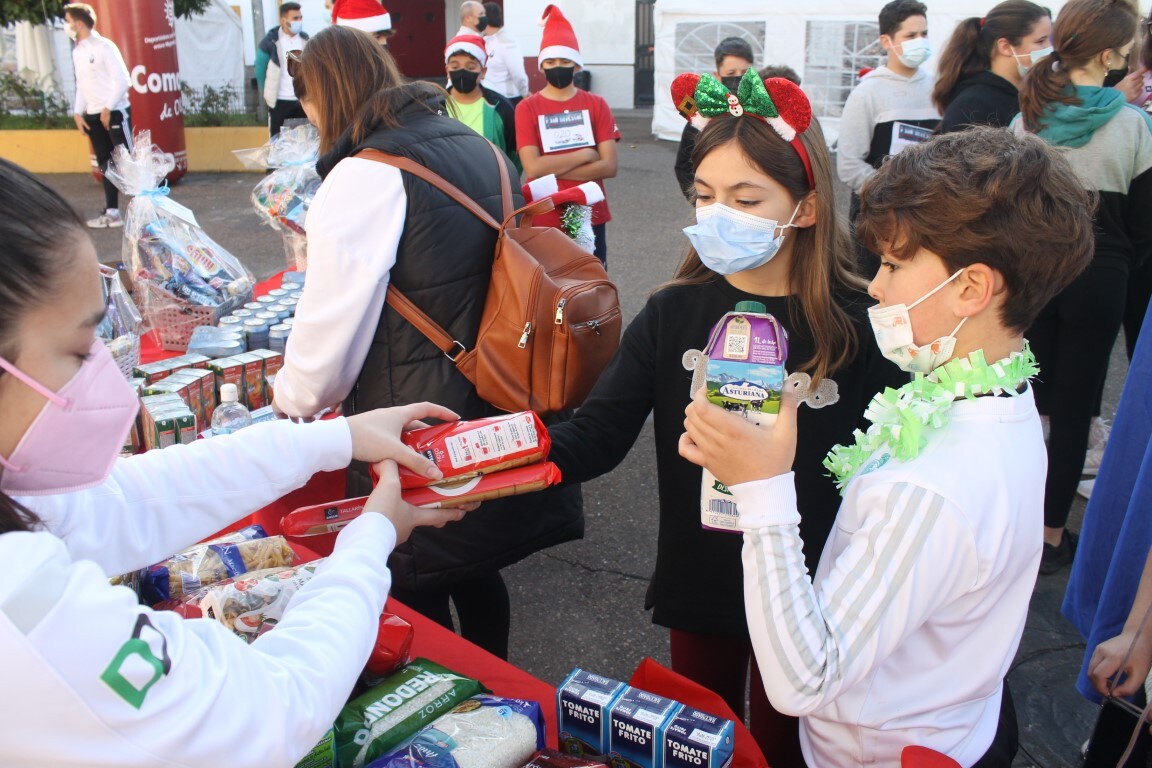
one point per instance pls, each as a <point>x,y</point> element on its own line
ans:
<point>638,723</point>
<point>583,702</point>
<point>696,739</point>
<point>746,354</point>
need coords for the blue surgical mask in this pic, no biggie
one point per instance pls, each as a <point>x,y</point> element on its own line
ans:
<point>914,52</point>
<point>295,27</point>
<point>1033,57</point>
<point>730,241</point>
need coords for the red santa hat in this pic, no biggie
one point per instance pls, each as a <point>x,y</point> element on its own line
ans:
<point>559,41</point>
<point>473,45</point>
<point>364,15</point>
<point>588,193</point>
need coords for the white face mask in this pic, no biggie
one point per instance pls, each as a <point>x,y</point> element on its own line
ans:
<point>892,327</point>
<point>295,27</point>
<point>71,32</point>
<point>1033,57</point>
<point>914,52</point>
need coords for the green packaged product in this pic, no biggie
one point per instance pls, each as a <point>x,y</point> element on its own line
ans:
<point>323,755</point>
<point>380,719</point>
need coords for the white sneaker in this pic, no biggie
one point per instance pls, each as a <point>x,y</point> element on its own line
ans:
<point>1098,436</point>
<point>110,218</point>
<point>1084,488</point>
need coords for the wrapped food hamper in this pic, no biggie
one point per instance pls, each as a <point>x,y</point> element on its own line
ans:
<point>283,196</point>
<point>184,278</point>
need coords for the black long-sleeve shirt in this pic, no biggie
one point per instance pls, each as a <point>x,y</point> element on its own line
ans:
<point>698,582</point>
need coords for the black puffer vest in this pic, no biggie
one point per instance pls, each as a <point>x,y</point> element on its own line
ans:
<point>443,265</point>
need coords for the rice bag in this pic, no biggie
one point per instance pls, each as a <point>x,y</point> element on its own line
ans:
<point>323,755</point>
<point>173,261</point>
<point>206,564</point>
<point>483,732</point>
<point>464,449</point>
<point>320,519</point>
<point>378,720</point>
<point>254,603</point>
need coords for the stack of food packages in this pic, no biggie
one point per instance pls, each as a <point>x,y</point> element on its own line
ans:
<point>407,712</point>
<point>264,323</point>
<point>481,459</point>
<point>601,717</point>
<point>178,395</point>
<point>283,196</point>
<point>185,278</point>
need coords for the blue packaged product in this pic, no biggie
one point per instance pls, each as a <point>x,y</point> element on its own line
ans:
<point>583,702</point>
<point>292,279</point>
<point>638,721</point>
<point>696,739</point>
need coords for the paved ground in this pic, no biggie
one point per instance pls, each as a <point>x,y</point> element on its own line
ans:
<point>582,603</point>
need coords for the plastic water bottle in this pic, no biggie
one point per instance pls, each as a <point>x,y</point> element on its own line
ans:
<point>230,415</point>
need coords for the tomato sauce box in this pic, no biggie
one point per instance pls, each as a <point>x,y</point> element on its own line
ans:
<point>637,725</point>
<point>696,739</point>
<point>583,708</point>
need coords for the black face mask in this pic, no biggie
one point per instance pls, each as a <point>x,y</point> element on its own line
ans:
<point>464,80</point>
<point>481,23</point>
<point>560,77</point>
<point>732,82</point>
<point>1114,76</point>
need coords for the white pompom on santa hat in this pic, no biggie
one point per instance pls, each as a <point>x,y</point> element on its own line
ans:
<point>588,193</point>
<point>473,45</point>
<point>559,41</point>
<point>364,15</point>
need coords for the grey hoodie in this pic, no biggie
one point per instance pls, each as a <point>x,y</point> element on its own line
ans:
<point>882,99</point>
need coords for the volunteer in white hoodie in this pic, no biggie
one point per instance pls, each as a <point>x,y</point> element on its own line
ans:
<point>89,676</point>
<point>891,107</point>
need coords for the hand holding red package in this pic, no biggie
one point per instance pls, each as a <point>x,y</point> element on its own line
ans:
<point>331,517</point>
<point>464,449</point>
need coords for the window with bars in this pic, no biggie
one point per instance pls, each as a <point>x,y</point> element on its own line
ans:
<point>696,42</point>
<point>835,53</point>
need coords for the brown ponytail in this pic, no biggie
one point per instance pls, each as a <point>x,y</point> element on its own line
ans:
<point>1083,29</point>
<point>970,48</point>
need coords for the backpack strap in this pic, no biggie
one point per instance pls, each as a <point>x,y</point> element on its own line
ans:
<point>397,300</point>
<point>442,184</point>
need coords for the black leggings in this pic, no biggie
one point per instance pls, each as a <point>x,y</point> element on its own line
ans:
<point>482,604</point>
<point>118,133</point>
<point>1139,293</point>
<point>1072,339</point>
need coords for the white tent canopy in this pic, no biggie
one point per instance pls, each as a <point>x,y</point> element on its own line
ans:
<point>825,41</point>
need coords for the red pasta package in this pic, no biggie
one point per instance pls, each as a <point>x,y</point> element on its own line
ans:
<point>464,449</point>
<point>328,518</point>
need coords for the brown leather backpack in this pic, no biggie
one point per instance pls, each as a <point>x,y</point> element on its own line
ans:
<point>551,321</point>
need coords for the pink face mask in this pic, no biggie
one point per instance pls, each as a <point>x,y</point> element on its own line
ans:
<point>76,438</point>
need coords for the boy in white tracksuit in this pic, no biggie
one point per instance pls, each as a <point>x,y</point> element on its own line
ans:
<point>905,632</point>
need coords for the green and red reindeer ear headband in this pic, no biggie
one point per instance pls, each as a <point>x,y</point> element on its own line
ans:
<point>776,101</point>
